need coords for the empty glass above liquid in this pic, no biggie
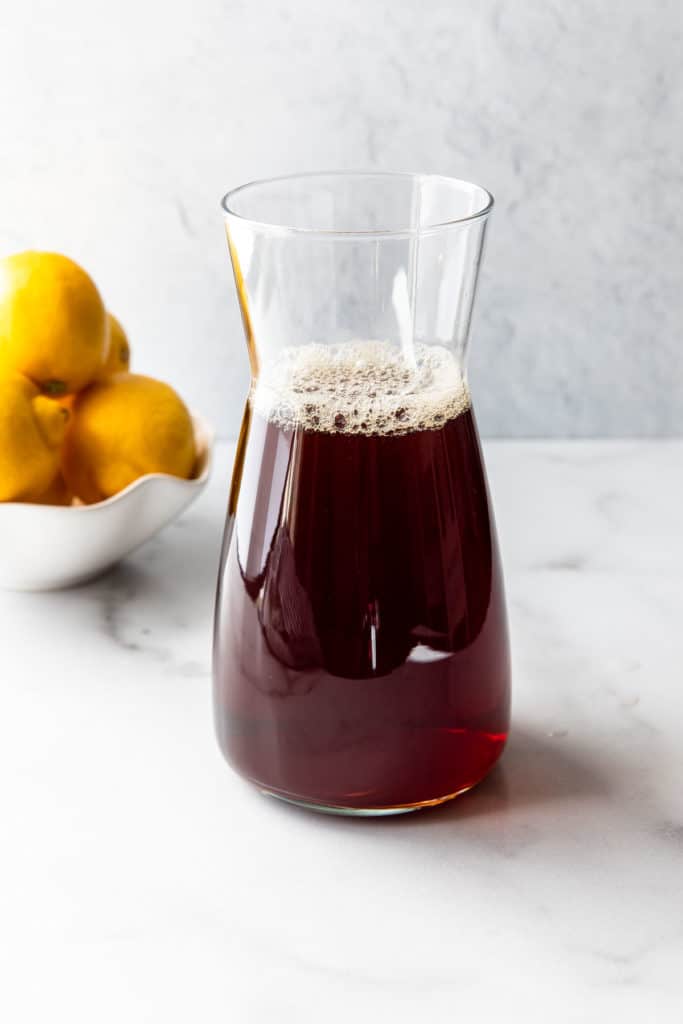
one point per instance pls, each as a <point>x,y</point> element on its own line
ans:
<point>361,660</point>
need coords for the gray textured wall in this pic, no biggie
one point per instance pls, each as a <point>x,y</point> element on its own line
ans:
<point>124,123</point>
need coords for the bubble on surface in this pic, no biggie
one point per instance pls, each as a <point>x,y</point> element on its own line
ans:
<point>361,387</point>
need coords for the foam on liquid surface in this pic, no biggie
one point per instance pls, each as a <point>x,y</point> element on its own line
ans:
<point>361,387</point>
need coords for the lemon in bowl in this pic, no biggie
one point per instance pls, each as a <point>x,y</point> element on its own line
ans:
<point>53,324</point>
<point>32,429</point>
<point>122,428</point>
<point>117,358</point>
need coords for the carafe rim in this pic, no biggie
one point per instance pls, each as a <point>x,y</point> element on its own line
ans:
<point>272,228</point>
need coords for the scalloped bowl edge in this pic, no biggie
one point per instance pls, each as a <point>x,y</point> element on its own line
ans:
<point>47,547</point>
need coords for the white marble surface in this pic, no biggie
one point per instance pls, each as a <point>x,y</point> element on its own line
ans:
<point>141,881</point>
<point>123,124</point>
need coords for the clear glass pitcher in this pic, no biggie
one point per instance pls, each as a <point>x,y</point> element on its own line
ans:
<point>361,657</point>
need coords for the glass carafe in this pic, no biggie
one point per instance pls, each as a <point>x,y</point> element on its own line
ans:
<point>361,657</point>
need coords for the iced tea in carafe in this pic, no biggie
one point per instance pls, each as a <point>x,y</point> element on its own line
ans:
<point>361,650</point>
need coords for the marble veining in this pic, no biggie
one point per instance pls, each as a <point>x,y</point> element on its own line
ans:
<point>135,864</point>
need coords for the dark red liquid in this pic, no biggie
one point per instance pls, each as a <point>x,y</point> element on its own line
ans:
<point>361,650</point>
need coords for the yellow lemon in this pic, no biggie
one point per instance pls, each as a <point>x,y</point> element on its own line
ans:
<point>123,428</point>
<point>53,324</point>
<point>57,493</point>
<point>32,428</point>
<point>117,359</point>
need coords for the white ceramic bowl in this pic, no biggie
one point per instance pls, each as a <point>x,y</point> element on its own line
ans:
<point>45,547</point>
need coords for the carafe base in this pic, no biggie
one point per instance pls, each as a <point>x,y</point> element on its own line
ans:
<point>371,812</point>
